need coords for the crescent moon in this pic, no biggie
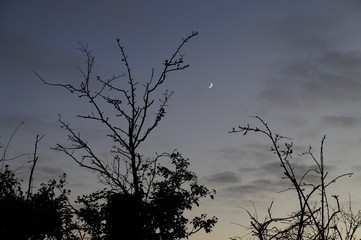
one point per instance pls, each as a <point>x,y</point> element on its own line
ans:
<point>211,85</point>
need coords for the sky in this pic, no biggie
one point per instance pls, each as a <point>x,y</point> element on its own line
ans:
<point>296,64</point>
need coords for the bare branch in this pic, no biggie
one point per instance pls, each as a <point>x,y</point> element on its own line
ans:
<point>35,159</point>
<point>310,221</point>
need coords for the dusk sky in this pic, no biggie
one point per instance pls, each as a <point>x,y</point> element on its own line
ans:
<point>296,64</point>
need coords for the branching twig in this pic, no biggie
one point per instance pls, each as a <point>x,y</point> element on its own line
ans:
<point>309,222</point>
<point>35,159</point>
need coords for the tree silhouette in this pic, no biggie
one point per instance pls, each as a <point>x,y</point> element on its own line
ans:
<point>317,216</point>
<point>44,214</point>
<point>143,199</point>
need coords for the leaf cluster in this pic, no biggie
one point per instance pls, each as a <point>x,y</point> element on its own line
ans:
<point>106,214</point>
<point>41,215</point>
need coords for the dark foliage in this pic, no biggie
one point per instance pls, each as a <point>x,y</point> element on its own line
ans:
<point>42,215</point>
<point>112,215</point>
<point>125,217</point>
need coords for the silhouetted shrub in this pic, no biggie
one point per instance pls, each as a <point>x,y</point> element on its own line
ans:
<point>36,216</point>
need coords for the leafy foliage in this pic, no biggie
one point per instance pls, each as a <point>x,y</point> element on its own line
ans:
<point>43,215</point>
<point>160,216</point>
<point>170,199</point>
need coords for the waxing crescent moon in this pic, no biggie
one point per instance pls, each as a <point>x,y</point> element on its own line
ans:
<point>210,86</point>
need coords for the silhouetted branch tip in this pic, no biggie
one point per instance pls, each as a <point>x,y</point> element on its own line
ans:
<point>315,218</point>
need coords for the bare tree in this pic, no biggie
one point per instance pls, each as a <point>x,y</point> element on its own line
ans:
<point>134,116</point>
<point>316,217</point>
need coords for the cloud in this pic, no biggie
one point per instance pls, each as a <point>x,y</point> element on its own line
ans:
<point>48,171</point>
<point>270,177</point>
<point>22,54</point>
<point>300,32</point>
<point>30,120</point>
<point>345,62</point>
<point>274,169</point>
<point>329,78</point>
<point>224,177</point>
<point>230,153</point>
<point>341,121</point>
<point>254,189</point>
<point>41,124</point>
<point>313,62</point>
